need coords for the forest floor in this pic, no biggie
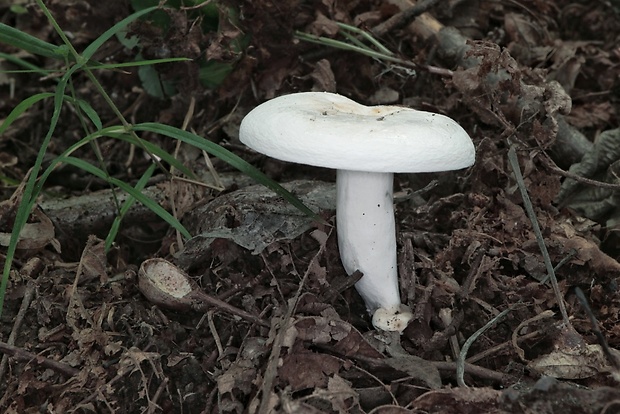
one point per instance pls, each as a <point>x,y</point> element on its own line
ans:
<point>535,83</point>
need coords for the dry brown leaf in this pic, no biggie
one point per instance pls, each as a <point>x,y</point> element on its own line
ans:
<point>323,77</point>
<point>35,235</point>
<point>238,377</point>
<point>521,29</point>
<point>93,262</point>
<point>323,26</point>
<point>341,396</point>
<point>571,357</point>
<point>307,370</point>
<point>417,368</point>
<point>569,363</point>
<point>591,114</point>
<point>590,252</point>
<point>322,330</point>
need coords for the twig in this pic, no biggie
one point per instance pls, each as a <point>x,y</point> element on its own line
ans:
<point>551,165</point>
<point>372,363</point>
<point>515,333</point>
<point>445,314</point>
<point>471,369</point>
<point>385,386</point>
<point>504,345</point>
<point>207,300</point>
<point>26,356</point>
<point>403,18</point>
<point>153,406</point>
<point>19,319</point>
<point>215,334</point>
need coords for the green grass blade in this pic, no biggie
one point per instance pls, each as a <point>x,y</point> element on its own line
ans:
<point>29,43</point>
<point>338,44</point>
<point>90,112</point>
<point>364,34</point>
<point>22,107</point>
<point>146,201</point>
<point>116,225</point>
<point>112,31</point>
<point>113,132</point>
<point>116,132</point>
<point>159,152</point>
<point>146,62</point>
<point>29,195</point>
<point>228,157</point>
<point>27,103</point>
<point>30,68</point>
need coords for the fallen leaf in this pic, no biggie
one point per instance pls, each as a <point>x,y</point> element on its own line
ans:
<point>34,235</point>
<point>569,363</point>
<point>307,370</point>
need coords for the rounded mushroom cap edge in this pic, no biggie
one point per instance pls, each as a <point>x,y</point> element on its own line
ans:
<point>329,130</point>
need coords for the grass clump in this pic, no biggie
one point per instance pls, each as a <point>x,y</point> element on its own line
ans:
<point>64,93</point>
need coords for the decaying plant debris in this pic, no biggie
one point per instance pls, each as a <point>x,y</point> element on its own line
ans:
<point>541,77</point>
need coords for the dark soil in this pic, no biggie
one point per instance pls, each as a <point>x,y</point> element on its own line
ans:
<point>540,78</point>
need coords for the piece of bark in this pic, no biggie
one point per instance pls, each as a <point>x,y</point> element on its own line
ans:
<point>76,218</point>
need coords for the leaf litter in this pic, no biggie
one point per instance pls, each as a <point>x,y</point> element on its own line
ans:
<point>518,75</point>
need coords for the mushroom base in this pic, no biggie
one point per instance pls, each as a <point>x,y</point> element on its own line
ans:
<point>367,242</point>
<point>392,319</point>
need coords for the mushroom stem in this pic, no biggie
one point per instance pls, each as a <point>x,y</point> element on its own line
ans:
<point>367,242</point>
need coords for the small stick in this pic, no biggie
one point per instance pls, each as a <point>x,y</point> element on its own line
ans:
<point>208,300</point>
<point>153,406</point>
<point>26,356</point>
<point>19,319</point>
<point>504,345</point>
<point>588,181</point>
<point>471,369</point>
<point>403,18</point>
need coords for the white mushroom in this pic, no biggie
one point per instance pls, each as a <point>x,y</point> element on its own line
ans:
<point>366,145</point>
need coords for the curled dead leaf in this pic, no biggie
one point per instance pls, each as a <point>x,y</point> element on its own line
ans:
<point>35,235</point>
<point>588,251</point>
<point>575,363</point>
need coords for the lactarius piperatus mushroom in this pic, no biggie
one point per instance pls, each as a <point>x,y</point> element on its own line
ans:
<point>366,145</point>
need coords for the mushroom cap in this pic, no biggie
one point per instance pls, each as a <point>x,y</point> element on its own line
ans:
<point>329,130</point>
